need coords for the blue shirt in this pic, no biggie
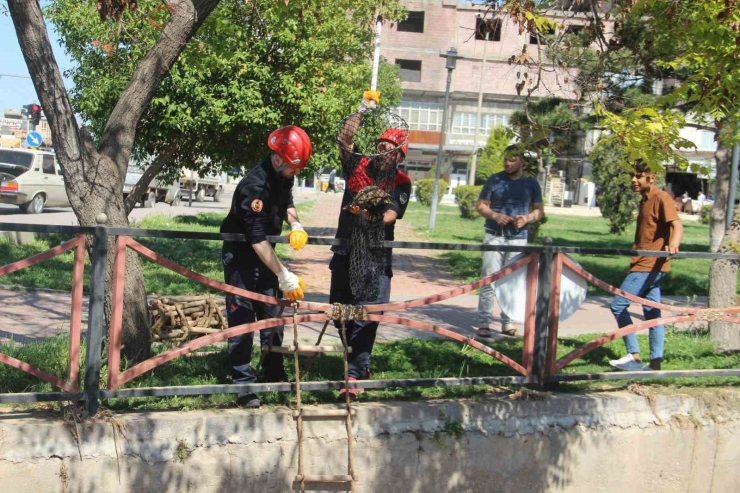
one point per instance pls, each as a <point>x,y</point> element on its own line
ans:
<point>510,197</point>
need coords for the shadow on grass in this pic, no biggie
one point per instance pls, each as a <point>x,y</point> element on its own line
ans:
<point>204,219</point>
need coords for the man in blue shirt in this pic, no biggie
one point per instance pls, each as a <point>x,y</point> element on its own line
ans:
<point>509,201</point>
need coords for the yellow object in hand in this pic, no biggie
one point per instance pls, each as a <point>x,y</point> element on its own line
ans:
<point>298,239</point>
<point>371,96</point>
<point>296,294</point>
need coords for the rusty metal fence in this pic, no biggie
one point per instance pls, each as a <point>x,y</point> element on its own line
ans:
<point>538,365</point>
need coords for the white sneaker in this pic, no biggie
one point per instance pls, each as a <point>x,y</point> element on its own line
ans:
<point>627,363</point>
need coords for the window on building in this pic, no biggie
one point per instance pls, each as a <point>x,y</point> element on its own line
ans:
<point>539,36</point>
<point>421,116</point>
<point>464,123</point>
<point>414,23</point>
<point>459,167</point>
<point>488,121</point>
<point>707,142</point>
<point>574,29</point>
<point>492,26</point>
<point>410,70</point>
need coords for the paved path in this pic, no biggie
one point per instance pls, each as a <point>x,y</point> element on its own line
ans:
<point>28,315</point>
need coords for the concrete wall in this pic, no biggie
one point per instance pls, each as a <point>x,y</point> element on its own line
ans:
<point>565,443</point>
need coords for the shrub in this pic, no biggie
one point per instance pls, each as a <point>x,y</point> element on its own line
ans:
<point>492,155</point>
<point>617,202</point>
<point>424,189</point>
<point>466,197</point>
<point>706,210</point>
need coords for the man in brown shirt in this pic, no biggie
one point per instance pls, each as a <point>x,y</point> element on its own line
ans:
<point>658,228</point>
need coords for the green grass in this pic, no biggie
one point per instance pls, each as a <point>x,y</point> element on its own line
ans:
<point>409,358</point>
<point>203,257</point>
<point>689,277</point>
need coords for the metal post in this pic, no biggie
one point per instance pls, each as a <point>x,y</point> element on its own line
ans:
<point>376,54</point>
<point>474,164</point>
<point>190,195</point>
<point>539,366</point>
<point>733,184</point>
<point>440,151</point>
<point>95,319</point>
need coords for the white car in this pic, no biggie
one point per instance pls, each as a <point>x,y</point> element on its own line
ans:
<point>31,180</point>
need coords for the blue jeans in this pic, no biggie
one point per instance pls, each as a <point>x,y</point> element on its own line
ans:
<point>645,285</point>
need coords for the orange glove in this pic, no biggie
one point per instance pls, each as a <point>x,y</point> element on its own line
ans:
<point>298,236</point>
<point>291,285</point>
<point>370,99</point>
<point>369,96</point>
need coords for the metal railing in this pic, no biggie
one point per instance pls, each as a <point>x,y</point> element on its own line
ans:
<point>538,366</point>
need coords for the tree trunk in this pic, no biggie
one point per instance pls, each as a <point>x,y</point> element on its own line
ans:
<point>718,215</point>
<point>94,177</point>
<point>723,273</point>
<point>723,288</point>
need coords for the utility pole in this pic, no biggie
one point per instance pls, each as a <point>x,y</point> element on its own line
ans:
<point>733,184</point>
<point>474,164</point>
<point>450,65</point>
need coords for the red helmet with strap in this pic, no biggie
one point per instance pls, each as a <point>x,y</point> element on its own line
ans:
<point>396,136</point>
<point>292,144</point>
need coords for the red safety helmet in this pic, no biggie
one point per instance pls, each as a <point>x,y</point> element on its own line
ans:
<point>396,136</point>
<point>292,144</point>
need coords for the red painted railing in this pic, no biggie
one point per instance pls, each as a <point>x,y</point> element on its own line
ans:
<point>73,365</point>
<point>321,312</point>
<point>116,378</point>
<point>560,261</point>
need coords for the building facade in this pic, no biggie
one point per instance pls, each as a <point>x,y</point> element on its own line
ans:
<point>418,45</point>
<point>14,127</point>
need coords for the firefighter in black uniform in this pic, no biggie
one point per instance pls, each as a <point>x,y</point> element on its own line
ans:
<point>361,334</point>
<point>262,201</point>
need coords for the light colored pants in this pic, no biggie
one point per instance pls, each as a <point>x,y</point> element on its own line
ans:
<point>492,262</point>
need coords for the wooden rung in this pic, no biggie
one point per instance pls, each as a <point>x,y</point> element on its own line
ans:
<point>324,479</point>
<point>306,349</point>
<point>321,413</point>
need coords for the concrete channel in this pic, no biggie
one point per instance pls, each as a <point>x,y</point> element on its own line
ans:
<point>602,442</point>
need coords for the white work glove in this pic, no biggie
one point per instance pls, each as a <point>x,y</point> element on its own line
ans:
<point>291,285</point>
<point>297,236</point>
<point>370,100</point>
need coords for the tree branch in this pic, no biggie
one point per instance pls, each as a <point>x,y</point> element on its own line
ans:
<point>118,136</point>
<point>47,80</point>
<point>146,178</point>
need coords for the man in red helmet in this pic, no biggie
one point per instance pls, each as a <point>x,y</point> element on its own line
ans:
<point>262,201</point>
<point>348,286</point>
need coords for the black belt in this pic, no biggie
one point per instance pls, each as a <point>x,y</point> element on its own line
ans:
<point>502,234</point>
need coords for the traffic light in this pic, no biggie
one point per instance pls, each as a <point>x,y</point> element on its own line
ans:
<point>35,114</point>
<point>27,108</point>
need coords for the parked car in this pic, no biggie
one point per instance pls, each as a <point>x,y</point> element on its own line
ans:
<point>32,180</point>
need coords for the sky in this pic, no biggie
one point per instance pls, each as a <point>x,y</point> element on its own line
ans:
<point>14,92</point>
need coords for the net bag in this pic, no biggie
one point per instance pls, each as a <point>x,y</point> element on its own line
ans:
<point>370,177</point>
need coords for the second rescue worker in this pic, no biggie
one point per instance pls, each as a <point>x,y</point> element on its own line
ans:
<point>262,201</point>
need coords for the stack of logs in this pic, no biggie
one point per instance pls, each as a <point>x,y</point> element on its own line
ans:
<point>180,317</point>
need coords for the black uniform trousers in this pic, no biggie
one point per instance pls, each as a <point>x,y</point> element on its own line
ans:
<point>252,276</point>
<point>360,333</point>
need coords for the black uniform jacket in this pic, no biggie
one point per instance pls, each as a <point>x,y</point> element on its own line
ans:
<point>259,207</point>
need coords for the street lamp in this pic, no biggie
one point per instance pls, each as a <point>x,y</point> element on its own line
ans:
<point>451,56</point>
